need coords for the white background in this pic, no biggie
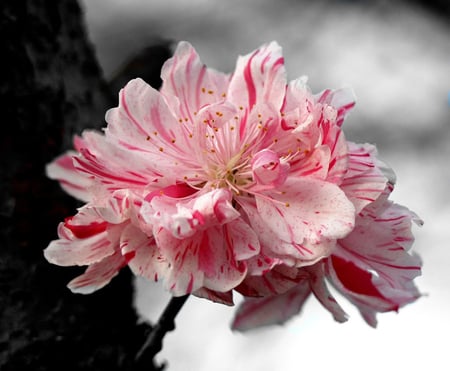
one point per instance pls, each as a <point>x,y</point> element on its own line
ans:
<point>397,59</point>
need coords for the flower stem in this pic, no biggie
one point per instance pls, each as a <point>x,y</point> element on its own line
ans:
<point>166,323</point>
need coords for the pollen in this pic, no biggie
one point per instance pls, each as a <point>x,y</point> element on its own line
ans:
<point>220,114</point>
<point>231,128</point>
<point>287,204</point>
<point>241,108</point>
<point>203,90</point>
<point>155,133</point>
<point>210,92</point>
<point>224,95</point>
<point>148,137</point>
<point>161,149</point>
<point>173,140</point>
<point>180,121</point>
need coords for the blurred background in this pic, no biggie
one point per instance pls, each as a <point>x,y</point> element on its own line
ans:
<point>396,56</point>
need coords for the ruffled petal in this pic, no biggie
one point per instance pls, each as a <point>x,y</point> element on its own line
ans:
<point>271,310</point>
<point>322,293</point>
<point>114,167</point>
<point>259,77</point>
<point>204,259</point>
<point>268,170</point>
<point>307,210</point>
<point>372,266</point>
<point>187,78</point>
<point>142,254</point>
<point>278,280</point>
<point>98,275</point>
<point>225,298</point>
<point>365,180</point>
<point>71,180</point>
<point>184,217</point>
<point>84,239</point>
<point>342,99</point>
<point>143,123</point>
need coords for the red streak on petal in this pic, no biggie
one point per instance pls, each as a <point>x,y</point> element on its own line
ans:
<point>354,278</point>
<point>85,231</point>
<point>190,284</point>
<point>249,81</point>
<point>129,256</point>
<point>175,191</point>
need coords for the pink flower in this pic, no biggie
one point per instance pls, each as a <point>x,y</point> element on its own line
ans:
<point>240,182</point>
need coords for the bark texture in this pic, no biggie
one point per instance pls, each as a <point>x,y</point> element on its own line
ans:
<point>51,87</point>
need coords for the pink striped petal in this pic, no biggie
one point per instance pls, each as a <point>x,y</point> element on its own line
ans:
<point>342,99</point>
<point>225,298</point>
<point>372,266</point>
<point>364,181</point>
<point>268,170</point>
<point>113,166</point>
<point>187,78</point>
<point>278,280</point>
<point>71,180</point>
<point>322,293</point>
<point>207,259</point>
<point>145,125</point>
<point>84,239</point>
<point>271,310</point>
<point>306,209</point>
<point>259,77</point>
<point>142,254</point>
<point>184,217</point>
<point>98,275</point>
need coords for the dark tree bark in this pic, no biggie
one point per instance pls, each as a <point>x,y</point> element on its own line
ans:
<point>51,87</point>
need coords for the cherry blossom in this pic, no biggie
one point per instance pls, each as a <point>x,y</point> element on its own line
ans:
<point>245,182</point>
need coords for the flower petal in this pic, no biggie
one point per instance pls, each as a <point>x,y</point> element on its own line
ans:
<point>98,275</point>
<point>186,77</point>
<point>71,180</point>
<point>84,239</point>
<point>278,280</point>
<point>309,210</point>
<point>365,180</point>
<point>271,310</point>
<point>201,260</point>
<point>372,266</point>
<point>113,166</point>
<point>142,254</point>
<point>225,298</point>
<point>342,99</point>
<point>259,77</point>
<point>184,217</point>
<point>145,125</point>
<point>268,169</point>
<point>321,292</point>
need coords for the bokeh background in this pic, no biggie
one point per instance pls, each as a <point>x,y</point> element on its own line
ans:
<point>396,56</point>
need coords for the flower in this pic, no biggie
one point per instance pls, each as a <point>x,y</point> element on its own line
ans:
<point>241,182</point>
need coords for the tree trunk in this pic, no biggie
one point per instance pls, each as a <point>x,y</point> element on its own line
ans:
<point>51,88</point>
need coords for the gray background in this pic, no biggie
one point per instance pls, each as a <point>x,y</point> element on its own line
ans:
<point>396,58</point>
